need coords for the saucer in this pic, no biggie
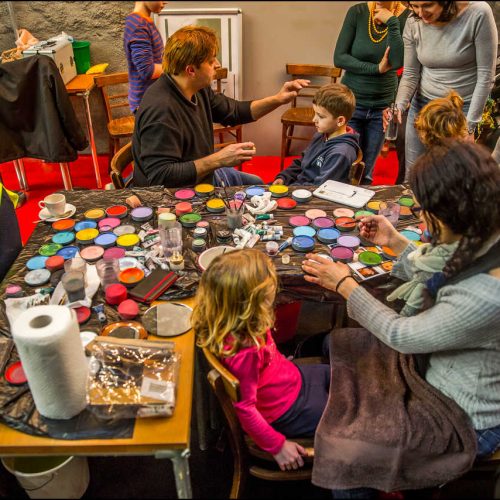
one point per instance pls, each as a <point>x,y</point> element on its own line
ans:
<point>45,215</point>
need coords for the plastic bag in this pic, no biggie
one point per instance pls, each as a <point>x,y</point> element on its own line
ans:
<point>132,378</point>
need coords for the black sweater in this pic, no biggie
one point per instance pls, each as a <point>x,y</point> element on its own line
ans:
<point>171,132</point>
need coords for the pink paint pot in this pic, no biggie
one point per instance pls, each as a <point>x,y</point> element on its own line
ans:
<point>342,254</point>
<point>184,194</point>
<point>299,220</point>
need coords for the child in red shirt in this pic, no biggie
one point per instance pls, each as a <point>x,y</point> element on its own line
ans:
<point>232,319</point>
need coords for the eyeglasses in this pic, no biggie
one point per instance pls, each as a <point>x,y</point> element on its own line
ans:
<point>416,211</point>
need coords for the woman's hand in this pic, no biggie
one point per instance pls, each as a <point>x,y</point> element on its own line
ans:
<point>386,116</point>
<point>325,273</point>
<point>381,15</point>
<point>289,457</point>
<point>378,230</point>
<point>384,66</point>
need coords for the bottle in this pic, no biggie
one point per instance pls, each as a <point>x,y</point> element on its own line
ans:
<point>391,132</point>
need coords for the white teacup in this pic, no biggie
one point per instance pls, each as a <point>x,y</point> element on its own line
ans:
<point>54,203</point>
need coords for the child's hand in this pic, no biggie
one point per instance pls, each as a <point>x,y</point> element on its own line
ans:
<point>289,457</point>
<point>279,181</point>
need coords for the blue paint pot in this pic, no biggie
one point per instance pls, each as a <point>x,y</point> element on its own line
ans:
<point>85,224</point>
<point>105,240</point>
<point>68,252</point>
<point>304,231</point>
<point>328,236</point>
<point>64,237</point>
<point>37,262</point>
<point>303,243</point>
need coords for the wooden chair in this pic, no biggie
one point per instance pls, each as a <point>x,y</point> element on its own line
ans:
<point>303,116</point>
<point>119,127</point>
<point>120,161</point>
<point>357,170</point>
<point>245,452</point>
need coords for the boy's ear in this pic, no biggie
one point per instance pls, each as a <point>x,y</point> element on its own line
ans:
<point>341,120</point>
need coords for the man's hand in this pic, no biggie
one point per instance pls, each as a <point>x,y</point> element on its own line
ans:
<point>234,154</point>
<point>278,181</point>
<point>289,91</point>
<point>289,457</point>
<point>384,65</point>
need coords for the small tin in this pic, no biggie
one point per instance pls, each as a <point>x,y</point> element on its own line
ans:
<point>54,263</point>
<point>322,223</point>
<point>184,207</point>
<point>215,206</point>
<point>254,191</point>
<point>166,220</point>
<point>141,214</point>
<point>63,225</point>
<point>303,243</point>
<point>95,214</point>
<point>203,223</point>
<point>343,212</point>
<point>301,195</point>
<point>67,252</point>
<point>86,236</point>
<point>198,244</point>
<point>189,220</point>
<point>299,220</point>
<point>37,277</point>
<point>49,249</point>
<point>37,262</point>
<point>286,203</point>
<point>278,190</point>
<point>117,211</point>
<point>272,248</point>
<point>124,229</point>
<point>204,190</point>
<point>352,242</point>
<point>342,254</point>
<point>64,237</point>
<point>304,231</point>
<point>314,213</point>
<point>110,222</point>
<point>127,241</point>
<point>85,224</point>
<point>328,236</point>
<point>369,258</point>
<point>92,253</point>
<point>345,224</point>
<point>184,194</point>
<point>200,232</point>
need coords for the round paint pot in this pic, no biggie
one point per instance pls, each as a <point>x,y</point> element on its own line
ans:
<point>411,235</point>
<point>406,201</point>
<point>13,292</point>
<point>113,253</point>
<point>278,190</point>
<point>37,262</point>
<point>349,241</point>
<point>64,237</point>
<point>314,213</point>
<point>405,213</point>
<point>82,314</point>
<point>111,222</point>
<point>115,294</point>
<point>200,232</point>
<point>215,205</point>
<point>127,263</point>
<point>343,212</point>
<point>184,207</point>
<point>373,206</point>
<point>37,277</point>
<point>118,211</point>
<point>342,254</point>
<point>127,241</point>
<point>189,220</point>
<point>63,225</point>
<point>302,243</point>
<point>94,214</point>
<point>198,245</point>
<point>322,223</point>
<point>128,309</point>
<point>14,374</point>
<point>141,214</point>
<point>106,240</point>
<point>86,236</point>
<point>204,190</point>
<point>362,213</point>
<point>168,319</point>
<point>184,194</point>
<point>68,252</point>
<point>223,236</point>
<point>388,253</point>
<point>209,255</point>
<point>49,249</point>
<point>301,195</point>
<point>324,255</point>
<point>299,220</point>
<point>345,224</point>
<point>286,204</point>
<point>131,276</point>
<point>272,248</point>
<point>369,258</point>
<point>328,236</point>
<point>204,224</point>
<point>85,224</point>
<point>254,191</point>
<point>54,263</point>
<point>125,229</point>
<point>304,231</point>
<point>125,330</point>
<point>166,220</point>
<point>92,253</point>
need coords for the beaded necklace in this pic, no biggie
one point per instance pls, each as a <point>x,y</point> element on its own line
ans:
<point>372,25</point>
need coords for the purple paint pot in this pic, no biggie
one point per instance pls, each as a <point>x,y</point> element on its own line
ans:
<point>342,254</point>
<point>348,241</point>
<point>322,223</point>
<point>141,214</point>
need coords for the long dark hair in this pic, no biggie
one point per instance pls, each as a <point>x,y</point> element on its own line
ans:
<point>458,183</point>
<point>450,11</point>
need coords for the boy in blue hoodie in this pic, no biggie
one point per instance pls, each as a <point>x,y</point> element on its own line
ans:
<point>334,148</point>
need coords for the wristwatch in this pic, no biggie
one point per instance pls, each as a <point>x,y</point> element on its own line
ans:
<point>471,128</point>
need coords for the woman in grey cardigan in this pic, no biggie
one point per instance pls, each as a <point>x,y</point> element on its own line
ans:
<point>448,46</point>
<point>457,321</point>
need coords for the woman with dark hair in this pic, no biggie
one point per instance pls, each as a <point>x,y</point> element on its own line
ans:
<point>447,46</point>
<point>452,313</point>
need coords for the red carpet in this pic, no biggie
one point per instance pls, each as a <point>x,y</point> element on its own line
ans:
<point>45,178</point>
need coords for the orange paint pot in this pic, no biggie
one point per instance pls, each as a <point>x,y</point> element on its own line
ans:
<point>63,225</point>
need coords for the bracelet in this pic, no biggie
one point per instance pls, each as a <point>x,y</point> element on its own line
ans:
<point>341,281</point>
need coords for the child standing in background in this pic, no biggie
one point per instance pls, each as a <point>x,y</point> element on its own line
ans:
<point>232,319</point>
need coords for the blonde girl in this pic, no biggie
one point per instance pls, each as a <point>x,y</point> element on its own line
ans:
<point>233,318</point>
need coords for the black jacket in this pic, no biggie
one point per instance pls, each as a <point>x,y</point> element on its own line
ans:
<point>37,119</point>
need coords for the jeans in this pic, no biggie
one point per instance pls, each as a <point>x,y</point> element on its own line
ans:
<point>413,147</point>
<point>233,177</point>
<point>488,441</point>
<point>367,122</point>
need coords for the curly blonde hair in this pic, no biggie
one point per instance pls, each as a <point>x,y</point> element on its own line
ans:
<point>235,297</point>
<point>441,118</point>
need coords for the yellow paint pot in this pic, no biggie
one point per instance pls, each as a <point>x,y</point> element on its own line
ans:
<point>127,241</point>
<point>278,190</point>
<point>373,206</point>
<point>95,214</point>
<point>86,236</point>
<point>215,205</point>
<point>204,190</point>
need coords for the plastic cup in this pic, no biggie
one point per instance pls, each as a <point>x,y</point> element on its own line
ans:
<point>234,218</point>
<point>73,283</point>
<point>171,239</point>
<point>108,270</point>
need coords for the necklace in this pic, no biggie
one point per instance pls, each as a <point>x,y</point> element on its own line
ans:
<point>372,25</point>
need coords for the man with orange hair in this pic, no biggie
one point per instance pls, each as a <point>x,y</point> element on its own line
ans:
<point>173,141</point>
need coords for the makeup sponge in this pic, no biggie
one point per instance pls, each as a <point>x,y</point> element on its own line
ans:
<point>128,309</point>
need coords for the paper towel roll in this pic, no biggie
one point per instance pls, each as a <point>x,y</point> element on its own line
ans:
<point>48,341</point>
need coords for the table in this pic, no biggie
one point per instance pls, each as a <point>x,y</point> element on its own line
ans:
<point>81,86</point>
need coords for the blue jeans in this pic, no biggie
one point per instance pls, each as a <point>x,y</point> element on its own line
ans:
<point>233,177</point>
<point>488,441</point>
<point>413,147</point>
<point>367,122</point>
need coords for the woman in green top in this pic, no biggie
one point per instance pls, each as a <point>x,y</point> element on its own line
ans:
<point>370,50</point>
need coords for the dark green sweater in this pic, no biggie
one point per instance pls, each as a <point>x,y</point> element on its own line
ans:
<point>359,57</point>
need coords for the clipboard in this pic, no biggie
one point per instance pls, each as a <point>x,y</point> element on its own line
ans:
<point>345,194</point>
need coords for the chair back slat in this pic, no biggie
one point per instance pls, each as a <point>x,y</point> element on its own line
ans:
<point>109,94</point>
<point>231,383</point>
<point>120,161</point>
